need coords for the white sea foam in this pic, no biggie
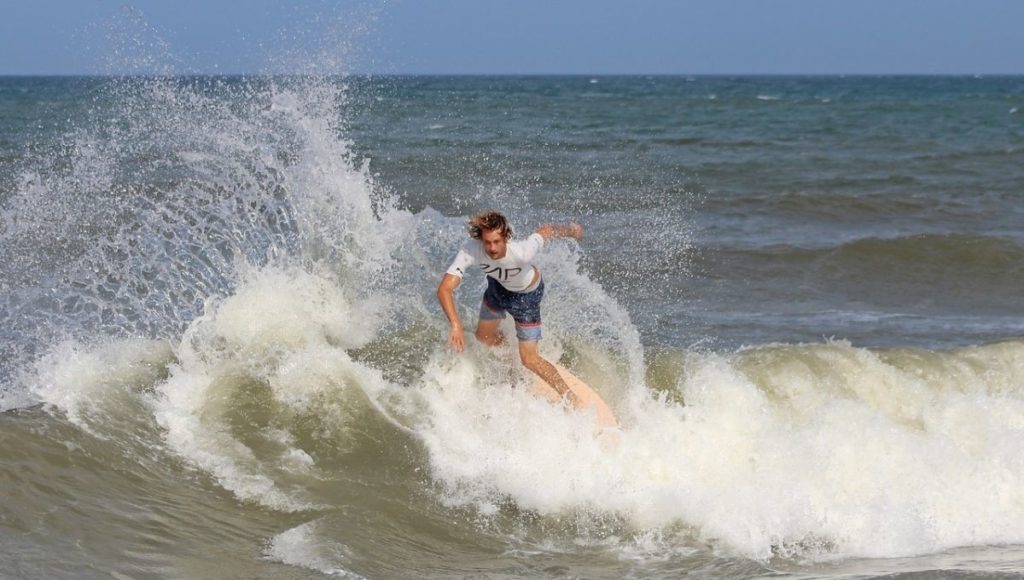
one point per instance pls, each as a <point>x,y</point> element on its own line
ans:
<point>81,379</point>
<point>828,450</point>
<point>278,310</point>
<point>287,331</point>
<point>300,546</point>
<point>290,266</point>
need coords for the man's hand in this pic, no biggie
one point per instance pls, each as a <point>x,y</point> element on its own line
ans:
<point>576,231</point>
<point>455,338</point>
<point>445,292</point>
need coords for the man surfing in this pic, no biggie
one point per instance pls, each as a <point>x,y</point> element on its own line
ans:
<point>514,286</point>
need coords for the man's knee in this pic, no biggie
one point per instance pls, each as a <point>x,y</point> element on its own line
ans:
<point>530,359</point>
<point>489,337</point>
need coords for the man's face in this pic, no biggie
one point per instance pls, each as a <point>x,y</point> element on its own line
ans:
<point>494,243</point>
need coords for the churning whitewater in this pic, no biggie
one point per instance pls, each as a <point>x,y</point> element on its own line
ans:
<point>208,276</point>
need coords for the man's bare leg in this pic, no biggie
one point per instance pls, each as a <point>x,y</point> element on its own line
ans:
<point>529,353</point>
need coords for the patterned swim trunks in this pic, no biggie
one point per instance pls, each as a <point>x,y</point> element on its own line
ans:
<point>524,308</point>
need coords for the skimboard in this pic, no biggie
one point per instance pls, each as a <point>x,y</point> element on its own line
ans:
<point>589,397</point>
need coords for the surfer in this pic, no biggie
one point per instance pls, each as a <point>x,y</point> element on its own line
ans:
<point>514,286</point>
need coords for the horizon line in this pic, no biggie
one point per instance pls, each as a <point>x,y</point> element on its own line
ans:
<point>513,75</point>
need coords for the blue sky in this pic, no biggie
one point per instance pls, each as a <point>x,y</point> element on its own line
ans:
<point>513,36</point>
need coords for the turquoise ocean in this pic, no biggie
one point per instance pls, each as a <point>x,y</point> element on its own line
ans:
<point>221,354</point>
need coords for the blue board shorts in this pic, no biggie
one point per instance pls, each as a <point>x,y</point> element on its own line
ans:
<point>524,308</point>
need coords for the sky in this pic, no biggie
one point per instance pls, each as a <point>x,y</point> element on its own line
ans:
<point>44,37</point>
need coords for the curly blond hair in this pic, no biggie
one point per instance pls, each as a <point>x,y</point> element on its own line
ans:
<point>486,221</point>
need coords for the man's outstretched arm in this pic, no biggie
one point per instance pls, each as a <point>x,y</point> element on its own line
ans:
<point>548,231</point>
<point>446,296</point>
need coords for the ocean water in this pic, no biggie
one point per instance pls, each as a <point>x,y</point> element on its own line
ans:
<point>221,354</point>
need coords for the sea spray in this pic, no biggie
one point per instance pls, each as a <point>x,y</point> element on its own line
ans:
<point>248,246</point>
<point>170,188</point>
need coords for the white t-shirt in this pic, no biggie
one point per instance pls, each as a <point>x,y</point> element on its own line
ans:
<point>514,271</point>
